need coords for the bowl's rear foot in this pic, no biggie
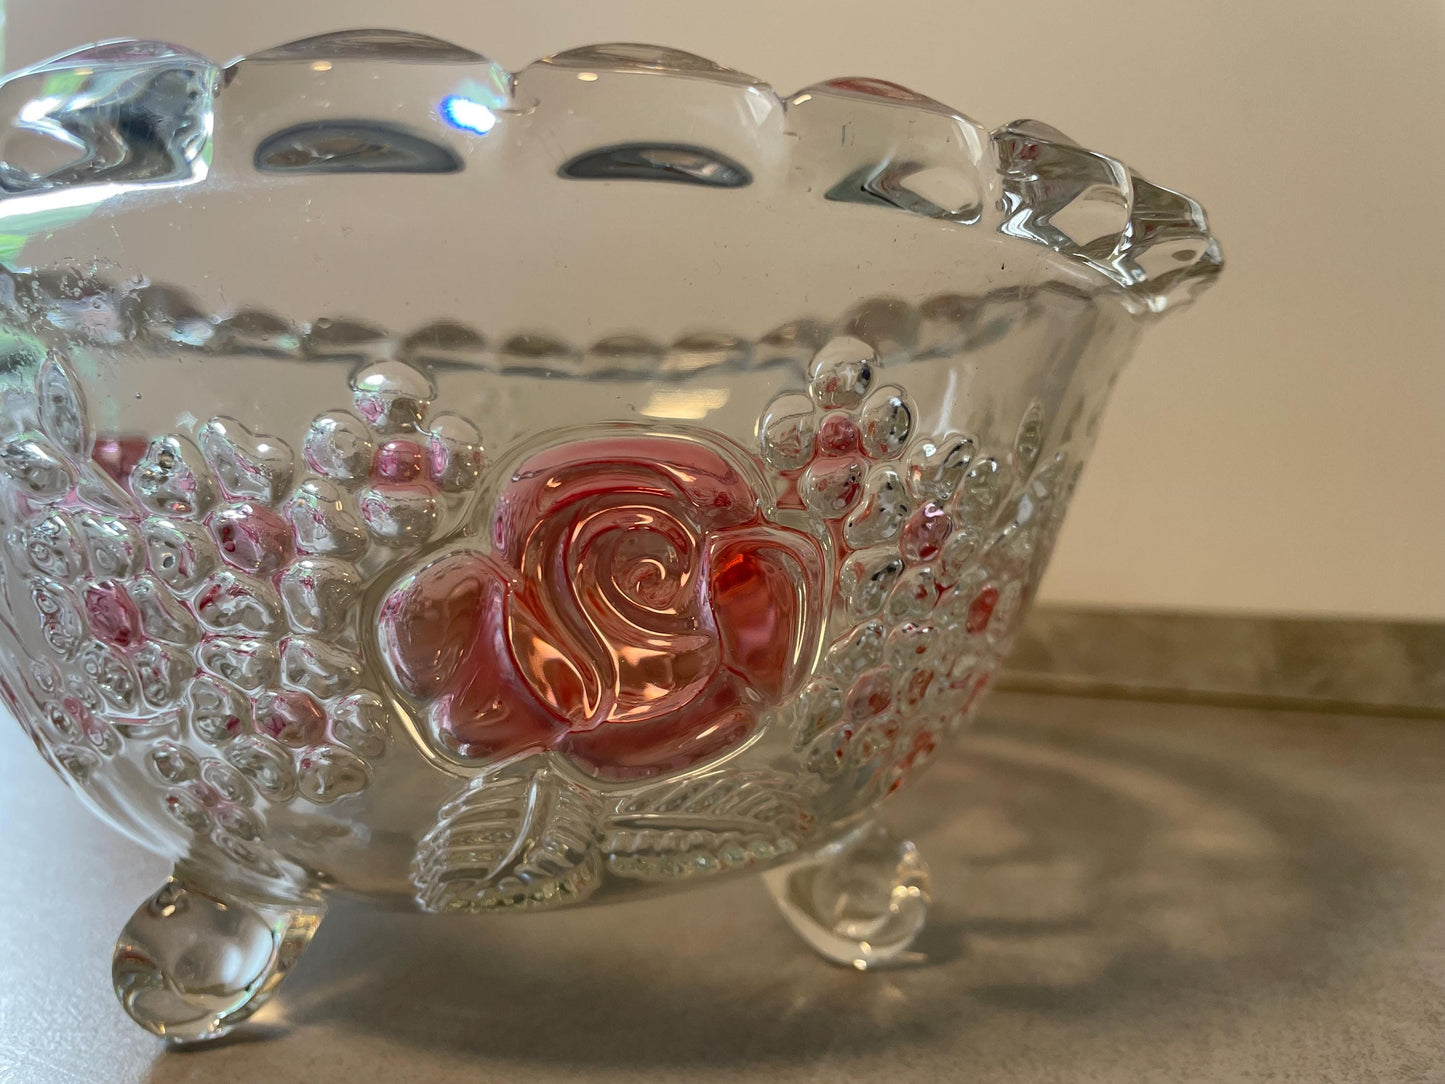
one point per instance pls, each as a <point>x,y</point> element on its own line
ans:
<point>859,901</point>
<point>193,963</point>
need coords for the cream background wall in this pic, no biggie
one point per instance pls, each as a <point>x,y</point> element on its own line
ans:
<point>1281,446</point>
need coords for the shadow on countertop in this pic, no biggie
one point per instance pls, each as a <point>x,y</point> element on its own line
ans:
<point>1103,870</point>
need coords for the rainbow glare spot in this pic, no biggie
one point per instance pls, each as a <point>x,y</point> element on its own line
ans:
<point>467,114</point>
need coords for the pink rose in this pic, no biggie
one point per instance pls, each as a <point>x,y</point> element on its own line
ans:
<point>637,612</point>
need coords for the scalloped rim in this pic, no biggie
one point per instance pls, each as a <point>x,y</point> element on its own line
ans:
<point>1156,245</point>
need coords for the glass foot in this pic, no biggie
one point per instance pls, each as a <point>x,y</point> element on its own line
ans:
<point>859,901</point>
<point>192,963</point>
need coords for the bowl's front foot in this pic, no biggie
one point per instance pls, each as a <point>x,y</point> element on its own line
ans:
<point>860,900</point>
<point>193,962</point>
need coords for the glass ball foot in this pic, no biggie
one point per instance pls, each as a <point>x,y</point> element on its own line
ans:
<point>859,901</point>
<point>192,963</point>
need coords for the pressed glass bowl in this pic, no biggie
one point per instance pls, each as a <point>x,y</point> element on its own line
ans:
<point>476,491</point>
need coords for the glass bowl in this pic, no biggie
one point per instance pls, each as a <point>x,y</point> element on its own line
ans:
<point>473,491</point>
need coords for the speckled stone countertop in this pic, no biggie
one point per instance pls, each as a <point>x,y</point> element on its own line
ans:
<point>1125,891</point>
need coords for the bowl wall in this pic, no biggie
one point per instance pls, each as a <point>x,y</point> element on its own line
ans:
<point>470,490</point>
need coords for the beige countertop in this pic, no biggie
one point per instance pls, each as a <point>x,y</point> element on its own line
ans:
<point>1125,892</point>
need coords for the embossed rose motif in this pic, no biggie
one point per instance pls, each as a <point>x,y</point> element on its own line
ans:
<point>636,611</point>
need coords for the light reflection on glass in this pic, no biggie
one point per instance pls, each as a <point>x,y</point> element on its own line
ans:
<point>37,109</point>
<point>40,214</point>
<point>467,114</point>
<point>684,403</point>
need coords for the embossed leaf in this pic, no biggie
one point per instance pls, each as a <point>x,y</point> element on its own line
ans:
<point>523,837</point>
<point>884,508</point>
<point>172,479</point>
<point>35,468</point>
<point>98,491</point>
<point>162,615</point>
<point>62,408</point>
<point>246,464</point>
<point>321,515</point>
<point>114,544</point>
<point>721,821</point>
<point>54,547</point>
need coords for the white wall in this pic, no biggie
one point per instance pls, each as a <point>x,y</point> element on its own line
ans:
<point>1281,447</point>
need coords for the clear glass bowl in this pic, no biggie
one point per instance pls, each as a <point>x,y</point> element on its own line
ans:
<point>469,490</point>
